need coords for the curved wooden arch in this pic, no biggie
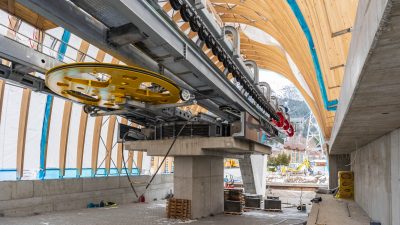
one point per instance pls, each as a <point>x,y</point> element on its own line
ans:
<point>324,18</point>
<point>272,58</point>
<point>305,67</point>
<point>316,110</point>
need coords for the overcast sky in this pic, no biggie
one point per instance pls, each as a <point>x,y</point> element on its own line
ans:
<point>275,80</point>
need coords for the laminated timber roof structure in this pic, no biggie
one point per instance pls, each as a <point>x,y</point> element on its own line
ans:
<point>327,21</point>
<point>328,24</point>
<point>20,11</point>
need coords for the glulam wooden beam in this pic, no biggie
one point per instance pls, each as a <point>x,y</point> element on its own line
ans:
<point>156,163</point>
<point>130,161</point>
<point>23,121</point>
<point>115,61</point>
<point>83,48</point>
<point>81,142</point>
<point>139,162</point>
<point>170,162</point>
<point>109,142</point>
<point>120,149</point>
<point>96,142</point>
<point>14,8</point>
<point>162,169</point>
<point>64,136</point>
<point>97,126</point>
<point>11,6</point>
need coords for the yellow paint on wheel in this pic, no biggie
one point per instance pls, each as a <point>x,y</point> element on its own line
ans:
<point>110,85</point>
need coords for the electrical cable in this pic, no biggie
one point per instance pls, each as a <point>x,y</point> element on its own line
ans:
<point>355,156</point>
<point>166,154</point>
<point>126,170</point>
<point>159,166</point>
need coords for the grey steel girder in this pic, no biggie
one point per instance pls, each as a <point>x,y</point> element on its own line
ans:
<point>162,33</point>
<point>24,60</point>
<point>16,52</point>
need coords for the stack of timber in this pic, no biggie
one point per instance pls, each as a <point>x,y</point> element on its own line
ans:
<point>233,201</point>
<point>252,201</point>
<point>179,209</point>
<point>272,203</point>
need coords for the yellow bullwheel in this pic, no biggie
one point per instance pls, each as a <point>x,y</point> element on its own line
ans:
<point>111,85</point>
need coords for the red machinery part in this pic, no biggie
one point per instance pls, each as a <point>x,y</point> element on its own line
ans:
<point>290,131</point>
<point>286,124</point>
<point>281,120</point>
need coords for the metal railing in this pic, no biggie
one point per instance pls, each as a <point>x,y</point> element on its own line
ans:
<point>49,46</point>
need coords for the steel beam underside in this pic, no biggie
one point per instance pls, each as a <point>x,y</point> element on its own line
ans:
<point>185,64</point>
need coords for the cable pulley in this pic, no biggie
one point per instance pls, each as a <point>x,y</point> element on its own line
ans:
<point>110,85</point>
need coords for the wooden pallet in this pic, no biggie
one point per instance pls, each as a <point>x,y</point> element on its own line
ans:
<point>273,210</point>
<point>233,213</point>
<point>251,208</point>
<point>242,200</point>
<point>179,208</point>
<point>234,195</point>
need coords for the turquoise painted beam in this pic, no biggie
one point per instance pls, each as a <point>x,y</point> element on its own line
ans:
<point>47,112</point>
<point>329,105</point>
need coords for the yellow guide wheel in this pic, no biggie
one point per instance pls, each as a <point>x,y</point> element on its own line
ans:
<point>110,85</point>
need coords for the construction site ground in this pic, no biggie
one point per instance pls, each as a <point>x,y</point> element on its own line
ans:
<point>334,211</point>
<point>331,211</point>
<point>154,213</point>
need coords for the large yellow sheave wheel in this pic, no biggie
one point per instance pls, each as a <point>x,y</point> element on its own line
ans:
<point>110,85</point>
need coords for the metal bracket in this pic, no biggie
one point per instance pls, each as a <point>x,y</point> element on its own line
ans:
<point>226,71</point>
<point>109,113</point>
<point>185,51</point>
<point>200,43</point>
<point>163,106</point>
<point>161,69</point>
<point>143,105</point>
<point>199,4</point>
<point>21,79</point>
<point>123,35</point>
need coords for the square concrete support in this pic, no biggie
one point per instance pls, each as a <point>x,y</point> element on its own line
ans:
<point>253,169</point>
<point>200,179</point>
<point>337,163</point>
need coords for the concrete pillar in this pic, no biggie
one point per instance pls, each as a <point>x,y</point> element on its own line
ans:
<point>337,163</point>
<point>246,171</point>
<point>200,179</point>
<point>259,166</point>
<point>253,169</point>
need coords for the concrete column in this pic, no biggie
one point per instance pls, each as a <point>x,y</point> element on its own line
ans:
<point>259,165</point>
<point>246,171</point>
<point>253,170</point>
<point>337,163</point>
<point>200,179</point>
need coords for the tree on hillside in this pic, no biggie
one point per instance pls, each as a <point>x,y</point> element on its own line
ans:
<point>281,159</point>
<point>291,98</point>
